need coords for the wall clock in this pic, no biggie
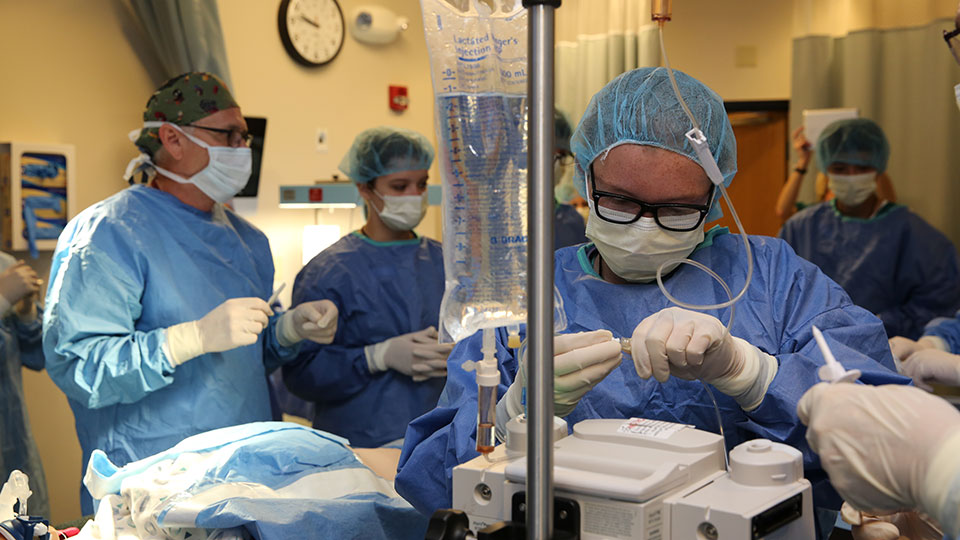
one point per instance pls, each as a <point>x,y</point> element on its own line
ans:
<point>312,31</point>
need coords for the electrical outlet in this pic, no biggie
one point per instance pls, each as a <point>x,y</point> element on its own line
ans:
<point>321,141</point>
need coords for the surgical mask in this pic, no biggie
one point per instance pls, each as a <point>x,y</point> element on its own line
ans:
<point>635,251</point>
<point>402,213</point>
<point>956,93</point>
<point>852,189</point>
<point>227,172</point>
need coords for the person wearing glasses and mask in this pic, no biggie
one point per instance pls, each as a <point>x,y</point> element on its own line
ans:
<point>650,199</point>
<point>888,259</point>
<point>157,326</point>
<point>568,225</point>
<point>385,366</point>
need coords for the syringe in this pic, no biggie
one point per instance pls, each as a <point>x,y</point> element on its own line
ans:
<point>832,371</point>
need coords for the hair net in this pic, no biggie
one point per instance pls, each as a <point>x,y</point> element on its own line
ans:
<point>183,100</point>
<point>857,141</point>
<point>561,131</point>
<point>386,150</point>
<point>640,107</point>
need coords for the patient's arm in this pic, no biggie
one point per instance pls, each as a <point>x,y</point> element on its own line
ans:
<point>382,461</point>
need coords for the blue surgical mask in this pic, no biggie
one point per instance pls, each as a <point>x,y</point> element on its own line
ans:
<point>227,172</point>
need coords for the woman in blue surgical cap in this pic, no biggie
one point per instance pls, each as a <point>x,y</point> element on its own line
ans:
<point>888,259</point>
<point>650,199</point>
<point>385,366</point>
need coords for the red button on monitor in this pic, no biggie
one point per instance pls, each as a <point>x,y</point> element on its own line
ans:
<point>316,194</point>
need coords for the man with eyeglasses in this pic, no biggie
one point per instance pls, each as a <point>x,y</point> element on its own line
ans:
<point>650,199</point>
<point>157,326</point>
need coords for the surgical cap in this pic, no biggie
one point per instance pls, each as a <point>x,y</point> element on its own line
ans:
<point>561,131</point>
<point>386,150</point>
<point>183,100</point>
<point>640,107</point>
<point>856,141</point>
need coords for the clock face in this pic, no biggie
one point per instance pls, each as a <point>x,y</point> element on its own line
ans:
<point>311,30</point>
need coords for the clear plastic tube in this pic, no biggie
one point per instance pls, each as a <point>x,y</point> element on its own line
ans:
<point>488,377</point>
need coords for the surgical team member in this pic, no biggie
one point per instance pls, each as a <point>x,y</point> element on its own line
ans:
<point>157,326</point>
<point>888,449</point>
<point>20,345</point>
<point>568,226</point>
<point>385,366</point>
<point>650,198</point>
<point>889,260</point>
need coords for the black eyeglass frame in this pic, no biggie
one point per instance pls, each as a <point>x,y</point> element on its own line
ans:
<point>953,42</point>
<point>645,207</point>
<point>245,136</point>
<point>564,158</point>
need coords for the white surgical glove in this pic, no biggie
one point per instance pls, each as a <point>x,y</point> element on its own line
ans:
<point>580,362</point>
<point>418,355</point>
<point>692,345</point>
<point>234,323</point>
<point>895,526</point>
<point>316,321</point>
<point>17,283</point>
<point>887,448</point>
<point>902,347</point>
<point>932,366</point>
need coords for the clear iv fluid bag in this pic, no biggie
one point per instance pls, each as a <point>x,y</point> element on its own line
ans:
<point>478,63</point>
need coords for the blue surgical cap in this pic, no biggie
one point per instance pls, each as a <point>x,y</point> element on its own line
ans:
<point>386,150</point>
<point>640,107</point>
<point>561,131</point>
<point>857,141</point>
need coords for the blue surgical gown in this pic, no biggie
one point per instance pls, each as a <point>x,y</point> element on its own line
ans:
<point>123,271</point>
<point>786,297</point>
<point>20,346</point>
<point>382,289</point>
<point>895,264</point>
<point>569,228</point>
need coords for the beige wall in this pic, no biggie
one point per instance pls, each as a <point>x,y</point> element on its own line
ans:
<point>345,97</point>
<point>704,35</point>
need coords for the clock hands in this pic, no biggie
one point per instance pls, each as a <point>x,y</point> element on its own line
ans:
<point>311,21</point>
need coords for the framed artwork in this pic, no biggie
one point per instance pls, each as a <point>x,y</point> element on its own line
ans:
<point>36,184</point>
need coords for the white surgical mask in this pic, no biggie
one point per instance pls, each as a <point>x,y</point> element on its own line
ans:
<point>956,93</point>
<point>227,172</point>
<point>403,212</point>
<point>852,189</point>
<point>635,251</point>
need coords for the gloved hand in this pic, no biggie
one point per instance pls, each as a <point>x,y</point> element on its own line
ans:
<point>692,345</point>
<point>932,366</point>
<point>886,448</point>
<point>902,347</point>
<point>17,283</point>
<point>418,355</point>
<point>580,362</point>
<point>896,526</point>
<point>316,321</point>
<point>234,323</point>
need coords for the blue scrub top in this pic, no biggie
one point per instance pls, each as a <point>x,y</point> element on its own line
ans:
<point>124,270</point>
<point>786,297</point>
<point>569,228</point>
<point>895,264</point>
<point>382,289</point>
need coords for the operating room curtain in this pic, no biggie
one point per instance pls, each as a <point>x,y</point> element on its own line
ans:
<point>184,34</point>
<point>888,59</point>
<point>596,40</point>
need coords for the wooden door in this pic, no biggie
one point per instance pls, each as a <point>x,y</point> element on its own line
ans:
<point>761,170</point>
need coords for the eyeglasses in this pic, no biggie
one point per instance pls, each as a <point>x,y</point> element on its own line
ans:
<point>623,210</point>
<point>953,42</point>
<point>563,158</point>
<point>235,137</point>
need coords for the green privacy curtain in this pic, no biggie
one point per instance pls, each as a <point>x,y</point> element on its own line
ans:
<point>596,40</point>
<point>888,59</point>
<point>184,34</point>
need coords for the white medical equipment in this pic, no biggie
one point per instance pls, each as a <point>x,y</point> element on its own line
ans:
<point>18,525</point>
<point>646,479</point>
<point>816,120</point>
<point>832,371</point>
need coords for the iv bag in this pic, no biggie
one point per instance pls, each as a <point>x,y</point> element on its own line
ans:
<point>478,60</point>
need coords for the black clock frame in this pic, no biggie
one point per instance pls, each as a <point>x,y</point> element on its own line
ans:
<point>288,44</point>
